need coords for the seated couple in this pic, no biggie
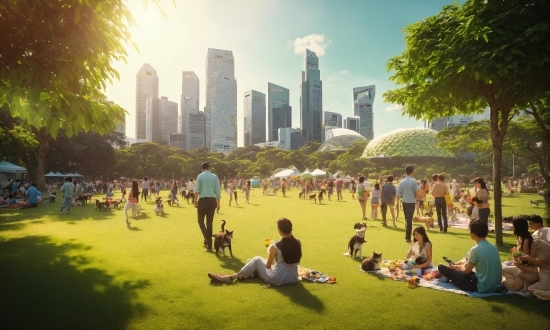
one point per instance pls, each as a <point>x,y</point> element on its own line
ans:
<point>287,253</point>
<point>483,257</point>
<point>419,256</point>
<point>531,270</point>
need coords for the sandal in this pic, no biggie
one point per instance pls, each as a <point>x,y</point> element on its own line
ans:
<point>220,278</point>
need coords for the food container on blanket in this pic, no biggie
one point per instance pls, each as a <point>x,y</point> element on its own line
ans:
<point>412,282</point>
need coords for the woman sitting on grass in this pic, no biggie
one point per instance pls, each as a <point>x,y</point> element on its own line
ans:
<point>287,252</point>
<point>532,266</point>
<point>420,252</point>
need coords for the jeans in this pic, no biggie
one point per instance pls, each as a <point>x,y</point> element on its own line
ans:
<point>67,203</point>
<point>206,208</point>
<point>145,193</point>
<point>441,209</point>
<point>484,214</point>
<point>383,211</point>
<point>408,209</point>
<point>466,282</point>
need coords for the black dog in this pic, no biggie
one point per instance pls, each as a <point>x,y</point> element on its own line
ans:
<point>190,196</point>
<point>320,195</point>
<point>536,203</point>
<point>313,197</point>
<point>223,240</point>
<point>102,206</point>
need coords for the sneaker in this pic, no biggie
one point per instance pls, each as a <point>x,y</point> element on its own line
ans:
<point>220,278</point>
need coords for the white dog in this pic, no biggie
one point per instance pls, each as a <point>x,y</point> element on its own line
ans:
<point>159,207</point>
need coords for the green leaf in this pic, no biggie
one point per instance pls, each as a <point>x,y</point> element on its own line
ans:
<point>476,75</point>
<point>44,96</point>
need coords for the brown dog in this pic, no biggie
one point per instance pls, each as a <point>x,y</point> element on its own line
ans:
<point>429,221</point>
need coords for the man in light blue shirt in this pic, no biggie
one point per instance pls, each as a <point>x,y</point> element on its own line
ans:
<point>68,194</point>
<point>406,190</point>
<point>207,201</point>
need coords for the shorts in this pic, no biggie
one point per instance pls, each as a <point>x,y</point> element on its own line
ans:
<point>420,203</point>
<point>330,191</point>
<point>375,200</point>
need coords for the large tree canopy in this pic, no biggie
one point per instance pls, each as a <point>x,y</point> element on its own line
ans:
<point>482,53</point>
<point>55,60</point>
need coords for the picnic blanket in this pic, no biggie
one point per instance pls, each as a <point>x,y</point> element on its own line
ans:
<point>437,284</point>
<point>314,276</point>
<point>461,221</point>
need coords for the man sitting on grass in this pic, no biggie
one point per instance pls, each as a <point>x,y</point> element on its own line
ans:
<point>541,232</point>
<point>484,257</point>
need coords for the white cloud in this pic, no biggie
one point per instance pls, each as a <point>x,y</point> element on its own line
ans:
<point>393,107</point>
<point>343,72</point>
<point>331,78</point>
<point>314,42</point>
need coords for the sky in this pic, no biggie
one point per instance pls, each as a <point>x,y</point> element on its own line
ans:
<point>353,39</point>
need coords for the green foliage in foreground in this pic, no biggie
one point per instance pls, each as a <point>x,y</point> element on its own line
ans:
<point>86,270</point>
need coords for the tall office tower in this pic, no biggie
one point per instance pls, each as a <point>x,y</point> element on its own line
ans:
<point>363,97</point>
<point>147,85</point>
<point>352,123</point>
<point>152,126</point>
<point>291,138</point>
<point>195,134</point>
<point>452,121</point>
<point>278,109</point>
<point>254,117</point>
<point>333,119</point>
<point>311,99</point>
<point>221,101</point>
<point>189,104</point>
<point>168,118</point>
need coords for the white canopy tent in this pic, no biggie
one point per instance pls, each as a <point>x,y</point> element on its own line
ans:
<point>287,173</point>
<point>318,172</point>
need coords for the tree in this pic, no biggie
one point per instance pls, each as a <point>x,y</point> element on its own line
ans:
<point>55,60</point>
<point>482,53</point>
<point>310,147</point>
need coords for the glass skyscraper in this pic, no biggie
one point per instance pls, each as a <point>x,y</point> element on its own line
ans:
<point>221,101</point>
<point>191,119</point>
<point>333,119</point>
<point>147,85</point>
<point>311,99</point>
<point>363,98</point>
<point>254,117</point>
<point>278,109</point>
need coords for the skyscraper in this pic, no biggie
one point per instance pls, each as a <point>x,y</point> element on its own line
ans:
<point>333,119</point>
<point>254,117</point>
<point>190,110</point>
<point>457,120</point>
<point>161,120</point>
<point>221,101</point>
<point>291,138</point>
<point>147,85</point>
<point>363,98</point>
<point>311,99</point>
<point>352,123</point>
<point>278,109</point>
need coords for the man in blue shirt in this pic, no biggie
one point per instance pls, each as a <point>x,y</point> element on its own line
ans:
<point>484,257</point>
<point>68,194</point>
<point>406,190</point>
<point>32,197</point>
<point>207,201</point>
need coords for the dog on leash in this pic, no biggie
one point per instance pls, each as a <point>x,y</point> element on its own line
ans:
<point>355,244</point>
<point>428,221</point>
<point>159,207</point>
<point>223,239</point>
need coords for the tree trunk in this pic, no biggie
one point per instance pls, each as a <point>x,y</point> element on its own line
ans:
<point>43,147</point>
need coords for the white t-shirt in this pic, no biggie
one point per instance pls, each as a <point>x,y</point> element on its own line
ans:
<point>190,185</point>
<point>543,234</point>
<point>145,185</point>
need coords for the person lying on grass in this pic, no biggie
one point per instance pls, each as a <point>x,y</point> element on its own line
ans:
<point>287,252</point>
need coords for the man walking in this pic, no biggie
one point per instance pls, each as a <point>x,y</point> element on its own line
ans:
<point>387,198</point>
<point>68,194</point>
<point>406,190</point>
<point>439,190</point>
<point>207,201</point>
<point>145,189</point>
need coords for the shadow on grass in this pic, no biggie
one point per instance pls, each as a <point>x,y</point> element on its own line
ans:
<point>45,285</point>
<point>231,263</point>
<point>299,294</point>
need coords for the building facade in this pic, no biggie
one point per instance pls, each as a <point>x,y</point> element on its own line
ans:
<point>333,119</point>
<point>221,101</point>
<point>279,110</point>
<point>152,126</point>
<point>352,123</point>
<point>189,104</point>
<point>254,117</point>
<point>363,99</point>
<point>147,85</point>
<point>195,135</point>
<point>291,138</point>
<point>451,121</point>
<point>311,99</point>
<point>168,118</point>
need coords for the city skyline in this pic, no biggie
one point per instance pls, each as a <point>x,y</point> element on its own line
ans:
<point>277,52</point>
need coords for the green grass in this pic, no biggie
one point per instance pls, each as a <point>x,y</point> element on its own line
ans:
<point>87,270</point>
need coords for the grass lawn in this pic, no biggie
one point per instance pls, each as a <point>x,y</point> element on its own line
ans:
<point>87,270</point>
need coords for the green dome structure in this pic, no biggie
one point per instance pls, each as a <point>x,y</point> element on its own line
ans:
<point>338,139</point>
<point>410,142</point>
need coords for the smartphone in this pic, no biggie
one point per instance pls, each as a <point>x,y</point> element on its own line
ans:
<point>448,260</point>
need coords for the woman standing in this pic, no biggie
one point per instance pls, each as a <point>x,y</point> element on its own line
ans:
<point>283,188</point>
<point>483,196</point>
<point>132,202</point>
<point>174,192</point>
<point>362,196</point>
<point>375,201</point>
<point>246,189</point>
<point>230,190</point>
<point>352,188</point>
<point>420,198</point>
<point>330,186</point>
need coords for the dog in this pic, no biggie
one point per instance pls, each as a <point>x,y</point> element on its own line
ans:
<point>531,203</point>
<point>356,242</point>
<point>301,195</point>
<point>313,197</point>
<point>223,240</point>
<point>373,263</point>
<point>190,196</point>
<point>82,199</point>
<point>116,204</point>
<point>138,209</point>
<point>320,195</point>
<point>101,206</point>
<point>428,221</point>
<point>159,207</point>
<point>430,213</point>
